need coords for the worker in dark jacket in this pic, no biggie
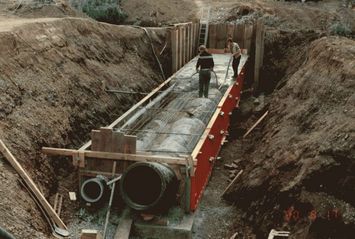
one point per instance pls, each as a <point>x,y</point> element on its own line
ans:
<point>206,64</point>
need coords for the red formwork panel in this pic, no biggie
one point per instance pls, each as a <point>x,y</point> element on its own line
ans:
<point>212,140</point>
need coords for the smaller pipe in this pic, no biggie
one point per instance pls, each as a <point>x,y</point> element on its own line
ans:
<point>92,189</point>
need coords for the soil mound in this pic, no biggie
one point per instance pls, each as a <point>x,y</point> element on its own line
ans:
<point>299,172</point>
<point>51,84</point>
<point>159,12</point>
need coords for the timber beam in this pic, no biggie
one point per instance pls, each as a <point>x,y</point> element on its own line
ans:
<point>115,156</point>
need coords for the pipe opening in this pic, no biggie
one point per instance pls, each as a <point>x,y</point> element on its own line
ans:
<point>149,186</point>
<point>143,185</point>
<point>92,190</point>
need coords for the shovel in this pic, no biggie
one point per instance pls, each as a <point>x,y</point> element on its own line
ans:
<point>56,231</point>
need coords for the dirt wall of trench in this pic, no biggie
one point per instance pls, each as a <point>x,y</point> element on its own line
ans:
<point>51,77</point>
<point>299,163</point>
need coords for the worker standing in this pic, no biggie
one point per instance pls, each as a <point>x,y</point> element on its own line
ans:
<point>236,54</point>
<point>206,64</point>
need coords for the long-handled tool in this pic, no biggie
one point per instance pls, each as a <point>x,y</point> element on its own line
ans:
<point>274,233</point>
<point>62,229</point>
<point>225,77</point>
<point>56,231</point>
<point>111,184</point>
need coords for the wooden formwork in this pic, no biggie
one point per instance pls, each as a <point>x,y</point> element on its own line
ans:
<point>184,43</point>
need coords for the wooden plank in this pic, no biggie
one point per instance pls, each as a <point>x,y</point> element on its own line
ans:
<point>130,147</point>
<point>180,47</point>
<point>182,24</point>
<point>90,234</point>
<point>231,183</point>
<point>41,199</point>
<point>130,144</point>
<point>72,196</point>
<point>248,36</point>
<point>95,140</point>
<point>117,145</point>
<point>239,35</point>
<point>212,36</point>
<point>174,49</point>
<point>117,156</point>
<point>95,146</point>
<point>184,45</point>
<point>262,42</point>
<point>191,41</point>
<point>187,43</point>
<point>256,124</point>
<point>197,38</point>
<point>124,229</point>
<point>230,30</point>
<point>258,53</point>
<point>221,35</point>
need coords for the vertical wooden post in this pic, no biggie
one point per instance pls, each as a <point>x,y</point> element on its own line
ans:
<point>174,50</point>
<point>188,48</point>
<point>193,39</point>
<point>186,44</point>
<point>197,37</point>
<point>221,35</point>
<point>248,34</point>
<point>259,42</point>
<point>183,45</point>
<point>212,36</point>
<point>239,35</point>
<point>230,30</point>
<point>180,47</point>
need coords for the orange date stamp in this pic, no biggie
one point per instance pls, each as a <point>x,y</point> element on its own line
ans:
<point>294,215</point>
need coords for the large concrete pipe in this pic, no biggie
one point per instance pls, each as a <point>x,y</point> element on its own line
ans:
<point>92,190</point>
<point>5,235</point>
<point>149,186</point>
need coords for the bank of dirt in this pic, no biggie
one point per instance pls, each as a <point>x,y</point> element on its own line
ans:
<point>51,81</point>
<point>298,167</point>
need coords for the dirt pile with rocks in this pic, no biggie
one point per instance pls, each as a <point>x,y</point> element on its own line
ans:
<point>299,167</point>
<point>51,83</point>
<point>38,8</point>
<point>159,12</point>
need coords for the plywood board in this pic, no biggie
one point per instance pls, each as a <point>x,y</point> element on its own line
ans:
<point>180,47</point>
<point>239,35</point>
<point>258,53</point>
<point>174,49</point>
<point>189,42</point>
<point>212,36</point>
<point>248,36</point>
<point>230,30</point>
<point>221,35</point>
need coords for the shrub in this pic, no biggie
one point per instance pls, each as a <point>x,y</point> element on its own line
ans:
<point>340,29</point>
<point>104,10</point>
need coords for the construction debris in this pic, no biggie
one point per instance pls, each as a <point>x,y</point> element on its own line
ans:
<point>72,196</point>
<point>274,233</point>
<point>233,181</point>
<point>33,188</point>
<point>58,201</point>
<point>90,234</point>
<point>256,124</point>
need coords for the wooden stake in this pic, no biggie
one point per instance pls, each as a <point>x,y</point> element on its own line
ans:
<point>42,200</point>
<point>233,181</point>
<point>256,124</point>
